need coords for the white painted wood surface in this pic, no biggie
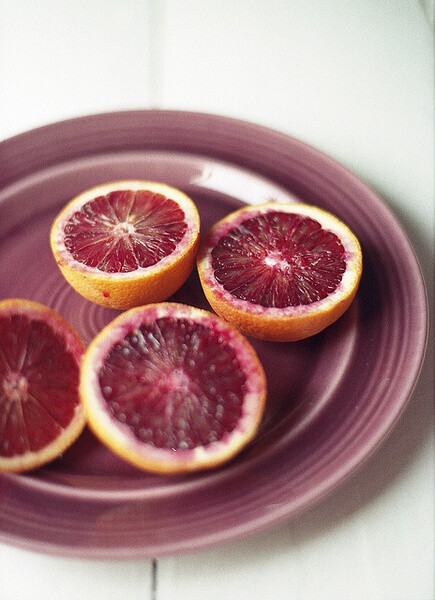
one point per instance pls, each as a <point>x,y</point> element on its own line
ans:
<point>352,78</point>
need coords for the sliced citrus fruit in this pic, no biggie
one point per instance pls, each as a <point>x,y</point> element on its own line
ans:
<point>40,410</point>
<point>172,388</point>
<point>280,272</point>
<point>126,243</point>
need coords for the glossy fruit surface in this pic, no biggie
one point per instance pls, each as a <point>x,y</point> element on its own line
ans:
<point>40,410</point>
<point>126,243</point>
<point>280,272</point>
<point>172,388</point>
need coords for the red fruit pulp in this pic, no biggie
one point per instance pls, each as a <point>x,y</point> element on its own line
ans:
<point>125,230</point>
<point>279,259</point>
<point>176,383</point>
<point>38,385</point>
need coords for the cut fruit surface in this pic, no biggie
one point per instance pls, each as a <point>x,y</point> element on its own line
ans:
<point>40,410</point>
<point>126,243</point>
<point>172,388</point>
<point>280,272</point>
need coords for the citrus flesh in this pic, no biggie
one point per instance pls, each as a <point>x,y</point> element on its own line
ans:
<point>280,272</point>
<point>126,243</point>
<point>172,388</point>
<point>40,410</point>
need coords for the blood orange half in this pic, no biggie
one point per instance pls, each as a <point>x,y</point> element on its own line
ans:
<point>40,410</point>
<point>126,243</point>
<point>280,272</point>
<point>172,388</point>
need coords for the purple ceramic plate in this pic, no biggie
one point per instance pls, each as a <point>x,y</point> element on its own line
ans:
<point>332,398</point>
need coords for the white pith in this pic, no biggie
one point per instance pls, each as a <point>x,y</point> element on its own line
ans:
<point>183,201</point>
<point>327,221</point>
<point>122,439</point>
<point>73,345</point>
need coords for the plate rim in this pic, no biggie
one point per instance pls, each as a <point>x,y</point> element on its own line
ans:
<point>51,128</point>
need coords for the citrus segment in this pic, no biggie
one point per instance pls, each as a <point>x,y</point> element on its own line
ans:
<point>126,243</point>
<point>40,409</point>
<point>280,272</point>
<point>172,388</point>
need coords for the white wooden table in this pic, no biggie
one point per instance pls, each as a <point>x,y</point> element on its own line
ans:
<point>352,78</point>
